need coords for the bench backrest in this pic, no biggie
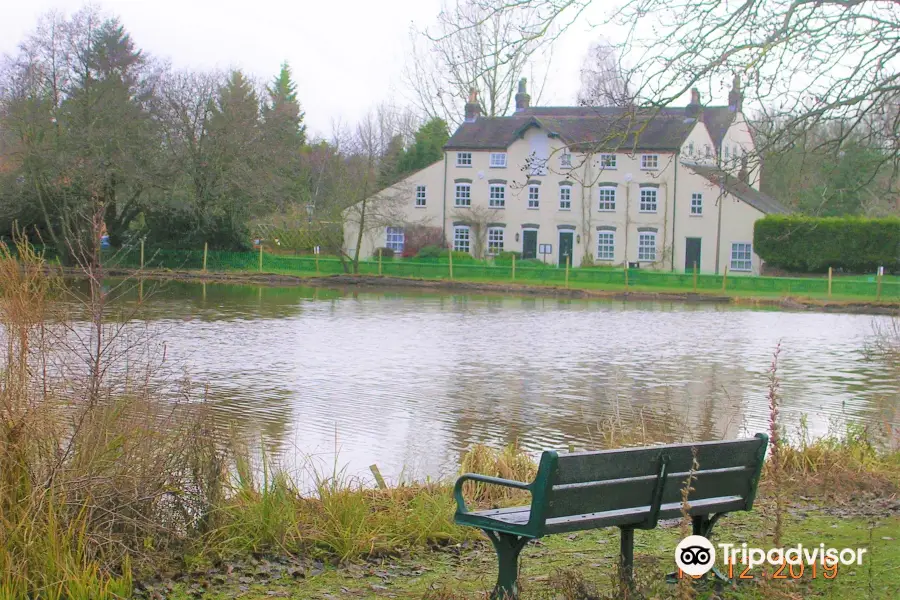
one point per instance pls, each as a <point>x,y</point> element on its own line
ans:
<point>594,482</point>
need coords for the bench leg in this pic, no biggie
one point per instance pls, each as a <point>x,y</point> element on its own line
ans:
<point>626,556</point>
<point>508,548</point>
<point>703,524</point>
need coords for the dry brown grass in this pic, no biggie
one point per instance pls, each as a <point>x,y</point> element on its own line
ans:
<point>509,463</point>
<point>93,477</point>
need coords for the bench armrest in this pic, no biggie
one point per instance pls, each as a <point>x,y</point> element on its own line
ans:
<point>457,489</point>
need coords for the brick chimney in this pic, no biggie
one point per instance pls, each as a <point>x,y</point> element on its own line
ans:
<point>473,109</point>
<point>692,110</point>
<point>736,96</point>
<point>523,100</point>
<point>744,173</point>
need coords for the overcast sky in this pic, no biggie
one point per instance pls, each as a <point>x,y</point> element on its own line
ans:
<point>346,55</point>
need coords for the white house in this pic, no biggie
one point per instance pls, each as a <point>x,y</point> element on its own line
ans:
<point>665,188</point>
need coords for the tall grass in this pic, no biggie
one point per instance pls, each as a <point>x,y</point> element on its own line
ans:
<point>91,477</point>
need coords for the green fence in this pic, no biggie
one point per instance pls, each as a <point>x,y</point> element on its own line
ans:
<point>858,286</point>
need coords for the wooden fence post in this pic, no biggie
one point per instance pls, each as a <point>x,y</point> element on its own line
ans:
<point>878,290</point>
<point>142,255</point>
<point>567,271</point>
<point>514,267</point>
<point>205,252</point>
<point>725,279</point>
<point>260,256</point>
<point>379,480</point>
<point>317,262</point>
<point>695,276</point>
<point>379,261</point>
<point>450,256</point>
<point>829,281</point>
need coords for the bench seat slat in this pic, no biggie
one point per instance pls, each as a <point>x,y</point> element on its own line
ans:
<point>631,516</point>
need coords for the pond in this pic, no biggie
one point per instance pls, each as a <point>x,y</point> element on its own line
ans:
<point>408,380</point>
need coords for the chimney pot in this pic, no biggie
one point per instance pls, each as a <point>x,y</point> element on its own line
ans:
<point>692,110</point>
<point>473,109</point>
<point>736,96</point>
<point>523,100</point>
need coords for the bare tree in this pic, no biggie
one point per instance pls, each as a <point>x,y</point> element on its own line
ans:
<point>476,46</point>
<point>804,63</point>
<point>361,204</point>
<point>478,219</point>
<point>604,82</point>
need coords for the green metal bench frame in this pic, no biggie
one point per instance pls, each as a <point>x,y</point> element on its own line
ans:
<point>510,538</point>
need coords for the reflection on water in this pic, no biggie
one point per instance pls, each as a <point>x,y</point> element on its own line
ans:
<point>408,380</point>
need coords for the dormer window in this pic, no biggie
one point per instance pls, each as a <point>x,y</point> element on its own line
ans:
<point>463,159</point>
<point>650,162</point>
<point>498,160</point>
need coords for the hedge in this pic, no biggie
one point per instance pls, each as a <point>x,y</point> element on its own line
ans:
<point>812,244</point>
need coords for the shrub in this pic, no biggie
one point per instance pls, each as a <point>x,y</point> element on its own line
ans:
<point>507,257</point>
<point>533,262</point>
<point>385,253</point>
<point>429,252</point>
<point>419,237</point>
<point>812,244</point>
<point>458,257</point>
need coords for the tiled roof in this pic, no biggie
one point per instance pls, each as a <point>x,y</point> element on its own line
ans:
<point>736,187</point>
<point>595,128</point>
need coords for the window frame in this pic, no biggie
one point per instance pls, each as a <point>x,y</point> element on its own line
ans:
<point>697,207</point>
<point>535,201</point>
<point>497,166</point>
<point>568,190</point>
<point>611,246</point>
<point>457,229</point>
<point>459,160</point>
<point>609,165</point>
<point>492,231</point>
<point>468,198</point>
<point>645,159</point>
<point>642,247</point>
<point>748,260</point>
<point>610,206</point>
<point>421,194</point>
<point>565,160</point>
<point>499,202</point>
<point>642,205</point>
<point>393,244</point>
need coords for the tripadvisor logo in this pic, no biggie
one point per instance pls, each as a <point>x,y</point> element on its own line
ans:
<point>695,555</point>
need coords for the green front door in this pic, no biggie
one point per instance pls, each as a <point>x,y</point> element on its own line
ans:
<point>691,253</point>
<point>565,247</point>
<point>529,243</point>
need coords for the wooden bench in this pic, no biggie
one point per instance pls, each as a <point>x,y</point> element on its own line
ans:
<point>630,489</point>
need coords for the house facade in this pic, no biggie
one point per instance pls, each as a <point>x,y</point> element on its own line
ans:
<point>588,185</point>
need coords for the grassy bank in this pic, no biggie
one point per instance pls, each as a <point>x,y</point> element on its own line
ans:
<point>112,485</point>
<point>531,274</point>
<point>850,304</point>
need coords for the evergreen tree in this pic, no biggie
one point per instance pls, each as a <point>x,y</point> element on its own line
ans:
<point>238,165</point>
<point>282,113</point>
<point>428,147</point>
<point>389,171</point>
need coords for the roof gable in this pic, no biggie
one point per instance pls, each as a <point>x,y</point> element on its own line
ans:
<point>734,186</point>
